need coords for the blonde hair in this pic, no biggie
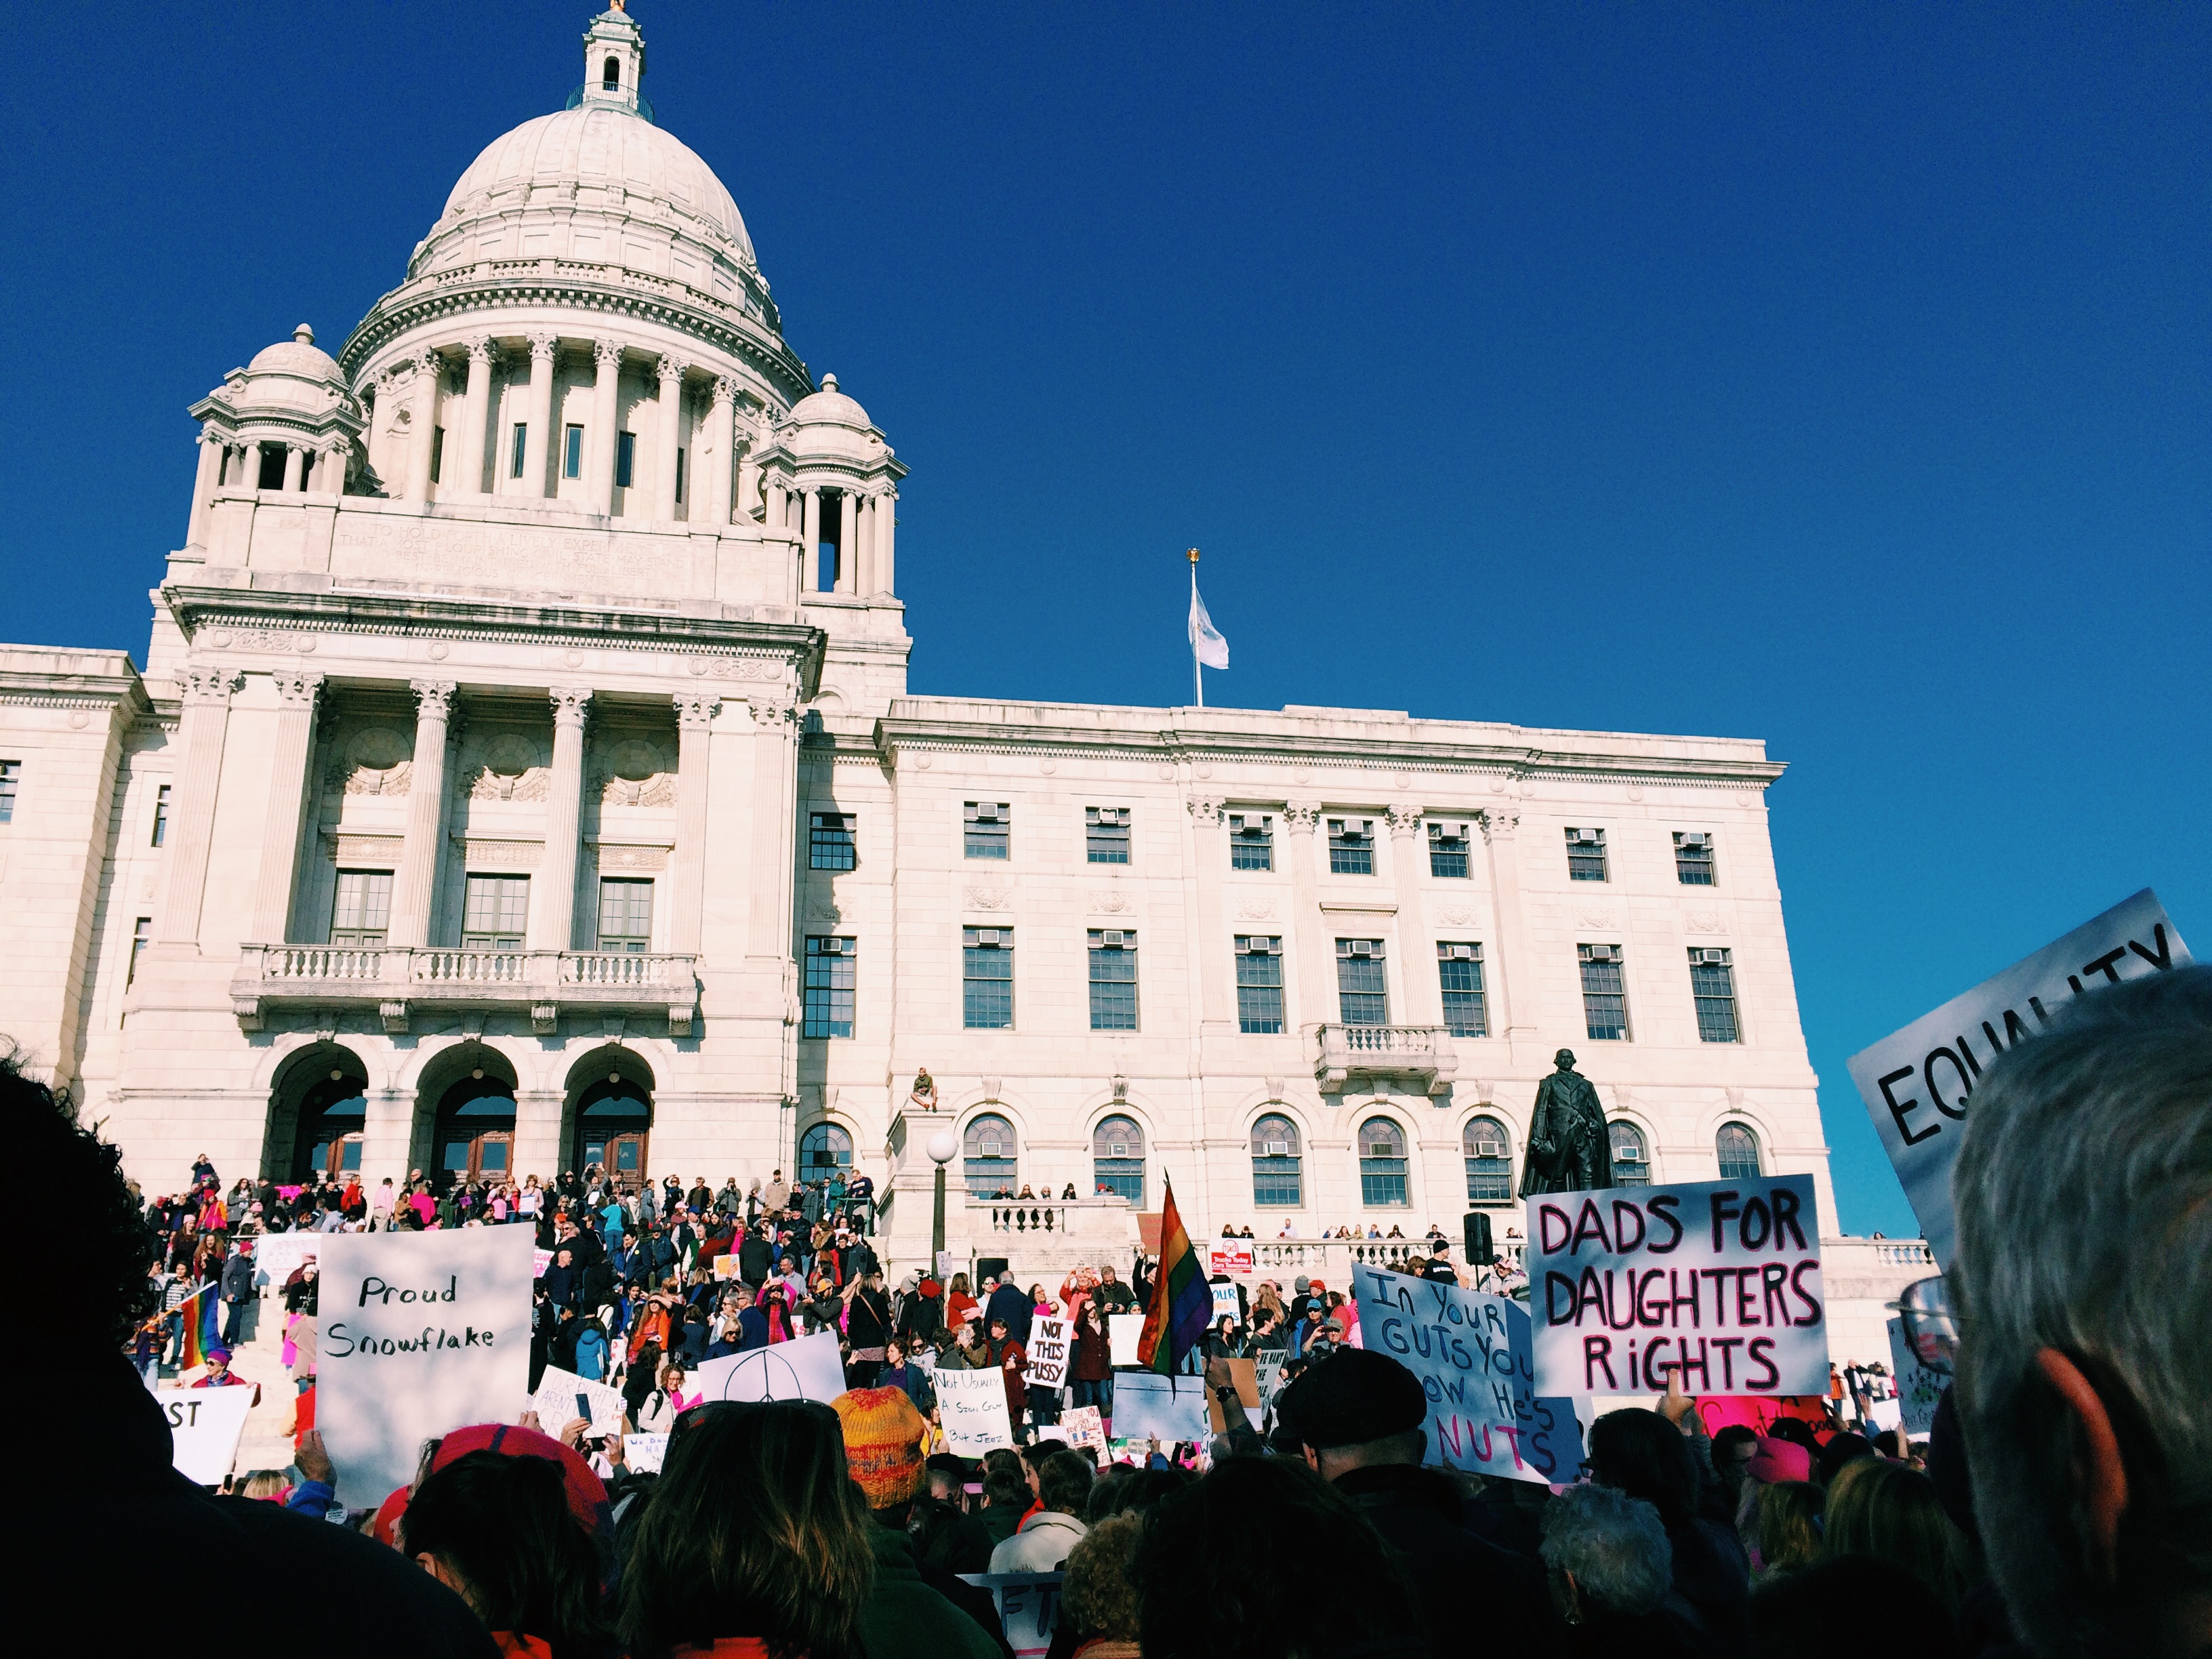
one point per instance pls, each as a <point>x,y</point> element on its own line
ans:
<point>1789,1525</point>
<point>1891,1512</point>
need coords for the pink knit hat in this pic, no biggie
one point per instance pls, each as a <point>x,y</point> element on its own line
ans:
<point>1779,1460</point>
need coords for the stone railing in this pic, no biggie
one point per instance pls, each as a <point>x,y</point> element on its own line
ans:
<point>398,979</point>
<point>1332,1259</point>
<point>1019,1216</point>
<point>1420,1052</point>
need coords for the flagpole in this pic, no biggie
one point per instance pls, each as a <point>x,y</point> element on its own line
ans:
<point>1197,669</point>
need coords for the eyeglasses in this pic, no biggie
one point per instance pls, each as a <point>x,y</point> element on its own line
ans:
<point>1931,1326</point>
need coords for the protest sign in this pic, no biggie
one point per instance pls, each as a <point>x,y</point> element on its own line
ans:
<point>1122,1331</point>
<point>1916,1082</point>
<point>539,1262</point>
<point>1471,1359</point>
<point>1884,1414</point>
<point>971,1408</point>
<point>1028,1605</point>
<point>1047,1349</point>
<point>805,1368</point>
<point>422,1333</point>
<point>1225,1302</point>
<point>1148,1406</point>
<point>944,1269</point>
<point>1552,1445</point>
<point>1084,1427</point>
<point>1268,1374</point>
<point>1721,1278</point>
<point>1229,1258</point>
<point>278,1256</point>
<point>205,1426</point>
<point>562,1396</point>
<point>1237,1374</point>
<point>726,1266</point>
<point>643,1454</point>
<point>1919,1389</point>
<point>1760,1413</point>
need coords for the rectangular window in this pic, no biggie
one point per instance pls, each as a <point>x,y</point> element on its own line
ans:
<point>1351,847</point>
<point>625,457</point>
<point>515,449</point>
<point>1585,855</point>
<point>495,913</point>
<point>987,977</point>
<point>983,826</point>
<point>1447,851</point>
<point>160,814</point>
<point>572,453</point>
<point>437,450</point>
<point>1259,984</point>
<point>1460,968</point>
<point>1693,860</point>
<point>1251,842</point>
<point>679,478</point>
<point>1106,834</point>
<point>1712,984</point>
<point>11,774</point>
<point>142,935</point>
<point>1113,979</point>
<point>1605,992</point>
<point>1362,993</point>
<point>829,841</point>
<point>362,909</point>
<point>626,916</point>
<point>828,988</point>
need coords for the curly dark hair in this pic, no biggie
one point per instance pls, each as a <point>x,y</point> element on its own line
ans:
<point>96,1305</point>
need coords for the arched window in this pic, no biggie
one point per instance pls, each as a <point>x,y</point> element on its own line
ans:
<point>610,75</point>
<point>1383,1165</point>
<point>612,1119</point>
<point>1489,1162</point>
<point>824,1149</point>
<point>331,1121</point>
<point>1739,1152</point>
<point>1631,1158</point>
<point>1117,1159</point>
<point>988,1156</point>
<point>1276,1181</point>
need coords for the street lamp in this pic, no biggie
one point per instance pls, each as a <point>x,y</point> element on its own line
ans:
<point>942,1146</point>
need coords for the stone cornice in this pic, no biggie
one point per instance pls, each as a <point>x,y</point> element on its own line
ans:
<point>28,687</point>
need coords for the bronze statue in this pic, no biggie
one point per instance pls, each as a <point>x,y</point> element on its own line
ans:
<point>1569,1151</point>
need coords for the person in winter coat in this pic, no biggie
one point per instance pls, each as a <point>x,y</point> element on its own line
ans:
<point>1042,1542</point>
<point>591,1351</point>
<point>902,1373</point>
<point>656,1414</point>
<point>756,1256</point>
<point>563,1284</point>
<point>1090,1368</point>
<point>1007,1305</point>
<point>1013,1362</point>
<point>868,1327</point>
<point>238,1293</point>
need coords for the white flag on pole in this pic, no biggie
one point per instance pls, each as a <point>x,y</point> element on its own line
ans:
<point>1206,641</point>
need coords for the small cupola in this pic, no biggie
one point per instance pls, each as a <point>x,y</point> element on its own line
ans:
<point>614,60</point>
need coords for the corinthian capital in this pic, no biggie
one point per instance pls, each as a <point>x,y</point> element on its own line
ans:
<point>1499,822</point>
<point>482,350</point>
<point>570,704</point>
<point>433,699</point>
<point>670,367</point>
<point>1302,815</point>
<point>695,710</point>
<point>208,688</point>
<point>773,708</point>
<point>1205,809</point>
<point>542,347</point>
<point>297,688</point>
<point>725,389</point>
<point>607,353</point>
<point>1404,820</point>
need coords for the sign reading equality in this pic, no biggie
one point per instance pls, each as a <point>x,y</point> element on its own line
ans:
<point>1721,1278</point>
<point>1916,1082</point>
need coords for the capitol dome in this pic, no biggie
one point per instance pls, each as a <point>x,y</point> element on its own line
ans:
<point>829,407</point>
<point>299,356</point>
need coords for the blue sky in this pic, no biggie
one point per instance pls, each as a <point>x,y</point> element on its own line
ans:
<point>1836,376</point>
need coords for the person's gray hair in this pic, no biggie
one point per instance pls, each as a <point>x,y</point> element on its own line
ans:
<point>2084,1197</point>
<point>1614,1546</point>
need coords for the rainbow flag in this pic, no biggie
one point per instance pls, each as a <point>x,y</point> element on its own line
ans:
<point>202,1325</point>
<point>1181,1304</point>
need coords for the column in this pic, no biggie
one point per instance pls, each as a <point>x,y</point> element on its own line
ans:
<point>1215,970</point>
<point>777,507</point>
<point>297,692</point>
<point>809,543</point>
<point>1511,985</point>
<point>1315,946</point>
<point>249,467</point>
<point>713,489</point>
<point>1421,993</point>
<point>555,899</point>
<point>295,468</point>
<point>606,360</point>
<point>695,717</point>
<point>330,472</point>
<point>767,910</point>
<point>205,478</point>
<point>886,527</point>
<point>422,850</point>
<point>538,435</point>
<point>422,423</point>
<point>468,473</point>
<point>670,372</point>
<point>205,693</point>
<point>748,471</point>
<point>864,538</point>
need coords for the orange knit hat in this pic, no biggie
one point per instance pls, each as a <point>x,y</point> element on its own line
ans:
<point>884,1440</point>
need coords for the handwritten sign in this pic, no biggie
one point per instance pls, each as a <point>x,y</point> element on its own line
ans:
<point>643,1454</point>
<point>278,1256</point>
<point>539,1262</point>
<point>1148,1406</point>
<point>1084,1427</point>
<point>1122,1331</point>
<point>422,1333</point>
<point>205,1426</point>
<point>1919,1389</point>
<point>1225,1302</point>
<point>726,1266</point>
<point>971,1408</point>
<point>1760,1413</point>
<point>1229,1258</point>
<point>805,1368</point>
<point>1471,1352</point>
<point>556,1400</point>
<point>1268,1375</point>
<point>1048,1348</point>
<point>1553,1443</point>
<point>1028,1607</point>
<point>1721,1278</point>
<point>1916,1082</point>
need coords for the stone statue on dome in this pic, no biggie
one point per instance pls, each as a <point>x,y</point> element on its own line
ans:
<point>1569,1151</point>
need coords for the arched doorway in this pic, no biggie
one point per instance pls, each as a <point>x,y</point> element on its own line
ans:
<point>473,1139</point>
<point>613,1118</point>
<point>333,1121</point>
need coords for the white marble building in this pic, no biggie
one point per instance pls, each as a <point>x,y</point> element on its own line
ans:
<point>522,771</point>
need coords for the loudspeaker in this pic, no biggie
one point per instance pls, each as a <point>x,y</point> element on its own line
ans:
<point>986,1266</point>
<point>1479,1251</point>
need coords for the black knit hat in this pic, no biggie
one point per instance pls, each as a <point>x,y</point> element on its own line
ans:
<point>1352,1397</point>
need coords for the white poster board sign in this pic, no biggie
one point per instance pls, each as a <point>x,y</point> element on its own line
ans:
<point>539,1262</point>
<point>278,1256</point>
<point>1916,1082</point>
<point>805,1368</point>
<point>1919,1389</point>
<point>1122,1331</point>
<point>1225,1302</point>
<point>205,1426</point>
<point>1721,1278</point>
<point>971,1407</point>
<point>643,1454</point>
<point>1084,1428</point>
<point>1471,1353</point>
<point>1267,1373</point>
<point>1148,1406</point>
<point>1028,1607</point>
<point>1047,1349</point>
<point>422,1333</point>
<point>564,1396</point>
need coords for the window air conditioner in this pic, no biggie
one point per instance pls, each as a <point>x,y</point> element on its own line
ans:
<point>986,936</point>
<point>1696,843</point>
<point>1361,947</point>
<point>1111,936</point>
<point>988,1149</point>
<point>1117,1149</point>
<point>1382,1149</point>
<point>1489,1149</point>
<point>1274,1149</point>
<point>1459,953</point>
<point>1582,838</point>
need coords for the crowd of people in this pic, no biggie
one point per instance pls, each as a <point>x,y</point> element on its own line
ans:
<point>2061,1506</point>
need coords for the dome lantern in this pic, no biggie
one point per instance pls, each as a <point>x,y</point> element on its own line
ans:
<point>614,60</point>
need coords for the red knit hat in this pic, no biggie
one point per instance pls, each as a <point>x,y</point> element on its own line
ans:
<point>884,1437</point>
<point>587,1493</point>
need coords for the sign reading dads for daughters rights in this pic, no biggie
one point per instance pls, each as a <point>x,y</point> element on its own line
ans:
<point>1721,1278</point>
<point>422,1333</point>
